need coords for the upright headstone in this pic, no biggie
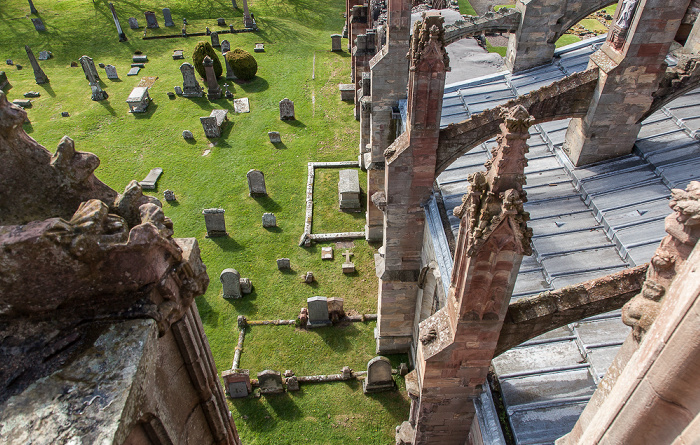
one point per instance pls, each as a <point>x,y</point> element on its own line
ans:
<point>215,222</point>
<point>38,24</point>
<point>378,376</point>
<point>89,69</point>
<point>33,10</point>
<point>221,21</point>
<point>169,195</point>
<point>225,46</point>
<point>274,137</point>
<point>151,20</point>
<point>133,23</point>
<point>228,93</point>
<point>269,220</point>
<point>120,32</point>
<point>229,71</point>
<point>231,281</point>
<point>318,312</point>
<point>286,110</point>
<point>111,71</point>
<point>167,17</point>
<point>247,19</point>
<point>215,39</point>
<point>39,74</point>
<point>97,92</point>
<point>233,3</point>
<point>237,383</point>
<point>256,183</point>
<point>190,86</point>
<point>283,264</point>
<point>213,88</point>
<point>270,382</point>
<point>336,44</point>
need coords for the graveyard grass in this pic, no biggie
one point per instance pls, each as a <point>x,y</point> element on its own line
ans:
<point>212,173</point>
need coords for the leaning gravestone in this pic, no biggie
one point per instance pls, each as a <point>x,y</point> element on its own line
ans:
<point>98,93</point>
<point>133,23</point>
<point>231,281</point>
<point>149,182</point>
<point>190,86</point>
<point>89,69</point>
<point>269,220</point>
<point>283,264</point>
<point>133,71</point>
<point>378,376</point>
<point>237,383</point>
<point>318,312</point>
<point>151,20</point>
<point>270,382</point>
<point>38,24</point>
<point>274,137</point>
<point>167,17</point>
<point>111,72</point>
<point>256,183</point>
<point>215,222</point>
<point>215,39</point>
<point>225,46</point>
<point>286,110</point>
<point>39,76</point>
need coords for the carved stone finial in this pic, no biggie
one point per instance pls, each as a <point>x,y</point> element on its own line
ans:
<point>517,119</point>
<point>686,204</point>
<point>428,41</point>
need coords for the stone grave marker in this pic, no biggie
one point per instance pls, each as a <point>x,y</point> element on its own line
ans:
<point>39,76</point>
<point>308,278</point>
<point>178,54</point>
<point>335,309</point>
<point>38,24</point>
<point>292,383</point>
<point>138,65</point>
<point>207,31</point>
<point>269,220</point>
<point>259,48</point>
<point>187,134</point>
<point>32,9</point>
<point>149,182</point>
<point>101,65</point>
<point>274,137</point>
<point>190,86</point>
<point>349,190</point>
<point>178,90</point>
<point>256,183</point>
<point>241,105</point>
<point>133,23</point>
<point>133,71</point>
<point>318,312</point>
<point>89,69</point>
<point>169,195</point>
<point>336,44</point>
<point>65,114</point>
<point>229,71</point>
<point>215,222</point>
<point>283,264</point>
<point>327,253</point>
<point>246,285</point>
<point>347,91</point>
<point>139,58</point>
<point>31,94</point>
<point>237,383</point>
<point>98,93</point>
<point>221,21</point>
<point>379,376</point>
<point>167,17</point>
<point>8,61</point>
<point>225,46</point>
<point>111,71</point>
<point>120,31</point>
<point>215,39</point>
<point>213,88</point>
<point>212,123</point>
<point>228,94</point>
<point>231,281</point>
<point>151,20</point>
<point>286,110</point>
<point>270,382</point>
<point>348,266</point>
<point>138,100</point>
<point>45,55</point>
<point>22,103</point>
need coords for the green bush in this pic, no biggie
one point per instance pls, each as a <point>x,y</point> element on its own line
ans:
<point>202,50</point>
<point>242,64</point>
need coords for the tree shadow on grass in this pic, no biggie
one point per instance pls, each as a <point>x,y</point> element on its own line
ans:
<point>394,403</point>
<point>255,86</point>
<point>28,127</point>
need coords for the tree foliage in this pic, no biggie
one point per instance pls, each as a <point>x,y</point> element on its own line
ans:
<point>242,64</point>
<point>201,50</point>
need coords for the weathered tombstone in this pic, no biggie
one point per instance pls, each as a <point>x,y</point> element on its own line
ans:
<point>215,39</point>
<point>283,264</point>
<point>308,278</point>
<point>347,91</point>
<point>336,44</point>
<point>178,54</point>
<point>167,17</point>
<point>221,21</point>
<point>213,88</point>
<point>270,382</point>
<point>133,71</point>
<point>229,71</point>
<point>22,103</point>
<point>38,24</point>
<point>39,76</point>
<point>346,373</point>
<point>89,69</point>
<point>169,195</point>
<point>149,182</point>
<point>215,222</point>
<point>228,94</point>
<point>187,134</point>
<point>246,285</point>
<point>327,253</point>
<point>225,46</point>
<point>139,58</point>
<point>138,100</point>
<point>120,32</point>
<point>207,31</point>
<point>138,65</point>
<point>32,9</point>
<point>212,123</point>
<point>292,383</point>
<point>97,92</point>
<point>8,61</point>
<point>111,71</point>
<point>274,137</point>
<point>65,114</point>
<point>170,95</point>
<point>133,23</point>
<point>190,86</point>
<point>269,220</point>
<point>237,383</point>
<point>233,3</point>
<point>335,309</point>
<point>45,55</point>
<point>286,110</point>
<point>151,20</point>
<point>349,190</point>
<point>379,376</point>
<point>259,48</point>
<point>256,183</point>
<point>241,105</point>
<point>231,281</point>
<point>247,19</point>
<point>348,266</point>
<point>318,312</point>
<point>101,65</point>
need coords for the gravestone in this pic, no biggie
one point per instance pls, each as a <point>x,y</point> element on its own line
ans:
<point>38,24</point>
<point>318,312</point>
<point>259,48</point>
<point>225,46</point>
<point>170,94</point>
<point>167,17</point>
<point>246,285</point>
<point>247,19</point>
<point>138,65</point>
<point>207,31</point>
<point>213,88</point>
<point>347,91</point>
<point>101,65</point>
<point>274,137</point>
<point>111,71</point>
<point>65,114</point>
<point>270,382</point>
<point>229,71</point>
<point>269,220</point>
<point>215,39</point>
<point>292,383</point>
<point>187,134</point>
<point>151,20</point>
<point>89,69</point>
<point>8,61</point>
<point>336,44</point>
<point>178,54</point>
<point>231,281</point>
<point>221,21</point>
<point>190,86</point>
<point>133,23</point>
<point>169,195</point>
<point>256,183</point>
<point>335,309</point>
<point>45,55</point>
<point>32,9</point>
<point>308,278</point>
<point>348,266</point>
<point>237,383</point>
<point>212,123</point>
<point>133,71</point>
<point>286,110</point>
<point>22,103</point>
<point>98,93</point>
<point>215,222</point>
<point>228,94</point>
<point>178,91</point>
<point>283,264</point>
<point>327,253</point>
<point>138,100</point>
<point>349,190</point>
<point>379,376</point>
<point>139,58</point>
<point>39,76</point>
<point>149,182</point>
<point>241,105</point>
<point>120,32</point>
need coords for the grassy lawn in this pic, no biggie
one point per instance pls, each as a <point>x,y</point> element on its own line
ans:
<point>298,64</point>
<point>465,8</point>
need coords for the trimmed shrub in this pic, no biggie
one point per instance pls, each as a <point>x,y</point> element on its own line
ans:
<point>202,50</point>
<point>242,64</point>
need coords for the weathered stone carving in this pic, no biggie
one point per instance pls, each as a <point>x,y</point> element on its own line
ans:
<point>428,41</point>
